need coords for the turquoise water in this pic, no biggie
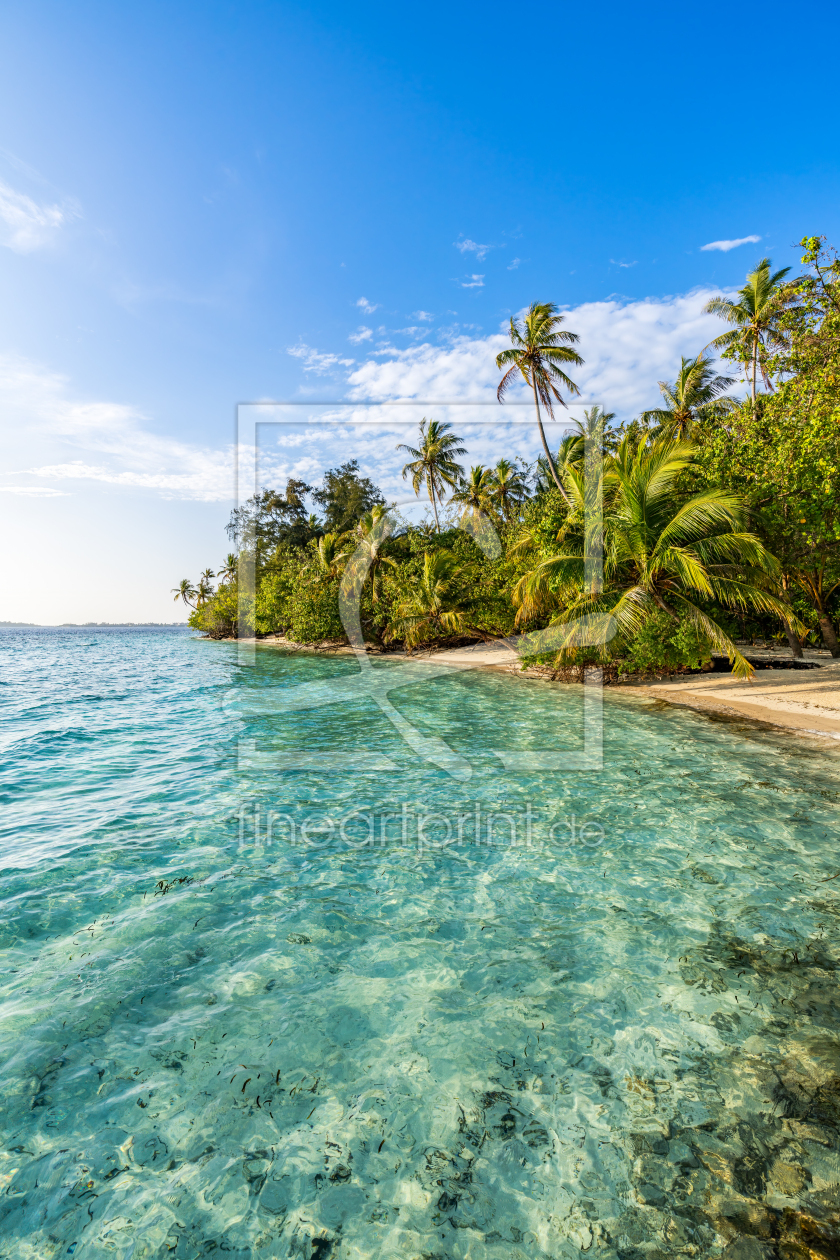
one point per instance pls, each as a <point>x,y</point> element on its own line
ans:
<point>620,1039</point>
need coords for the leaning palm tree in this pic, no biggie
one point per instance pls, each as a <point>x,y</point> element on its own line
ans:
<point>539,346</point>
<point>433,462</point>
<point>509,488</point>
<point>756,318</point>
<point>434,609</point>
<point>475,492</point>
<point>694,396</point>
<point>185,591</point>
<point>662,551</point>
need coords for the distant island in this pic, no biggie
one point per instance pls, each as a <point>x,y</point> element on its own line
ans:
<point>95,625</point>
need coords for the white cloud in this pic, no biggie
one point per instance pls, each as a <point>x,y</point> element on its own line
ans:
<point>425,316</point>
<point>366,306</point>
<point>362,334</point>
<point>627,348</point>
<point>473,282</point>
<point>615,263</point>
<point>725,246</point>
<point>42,492</point>
<point>472,247</point>
<point>90,440</point>
<point>26,225</point>
<point>513,266</point>
<point>316,361</point>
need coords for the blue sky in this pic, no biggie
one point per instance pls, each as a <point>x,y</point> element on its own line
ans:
<point>188,193</point>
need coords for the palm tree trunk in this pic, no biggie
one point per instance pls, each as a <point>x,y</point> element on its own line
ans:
<point>434,504</point>
<point>793,641</point>
<point>828,634</point>
<point>551,464</point>
<point>754,365</point>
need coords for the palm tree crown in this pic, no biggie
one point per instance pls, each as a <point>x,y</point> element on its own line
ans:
<point>433,606</point>
<point>509,488</point>
<point>327,558</point>
<point>185,591</point>
<point>476,491</point>
<point>368,536</point>
<point>756,317</point>
<point>433,462</point>
<point>695,395</point>
<point>538,346</point>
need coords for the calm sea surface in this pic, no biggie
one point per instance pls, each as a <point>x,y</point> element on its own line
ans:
<point>276,981</point>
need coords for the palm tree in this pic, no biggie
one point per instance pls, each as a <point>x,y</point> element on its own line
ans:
<point>369,533</point>
<point>694,396</point>
<point>539,346</point>
<point>434,609</point>
<point>662,551</point>
<point>185,591</point>
<point>433,462</point>
<point>756,318</point>
<point>326,559</point>
<point>205,588</point>
<point>509,488</point>
<point>476,491</point>
<point>229,568</point>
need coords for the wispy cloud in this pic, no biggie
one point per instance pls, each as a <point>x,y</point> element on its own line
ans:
<point>616,263</point>
<point>513,265</point>
<point>467,246</point>
<point>725,246</point>
<point>315,360</point>
<point>88,440</point>
<point>427,316</point>
<point>26,225</point>
<point>473,282</point>
<point>361,334</point>
<point>366,306</point>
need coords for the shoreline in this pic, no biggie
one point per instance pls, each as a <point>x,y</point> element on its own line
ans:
<point>801,701</point>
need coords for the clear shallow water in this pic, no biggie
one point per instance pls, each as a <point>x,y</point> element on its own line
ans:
<point>219,1043</point>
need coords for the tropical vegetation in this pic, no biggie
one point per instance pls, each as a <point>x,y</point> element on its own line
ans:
<point>717,521</point>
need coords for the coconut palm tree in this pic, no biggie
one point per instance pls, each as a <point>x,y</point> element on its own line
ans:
<point>185,591</point>
<point>326,559</point>
<point>367,537</point>
<point>204,589</point>
<point>433,462</point>
<point>662,551</point>
<point>694,396</point>
<point>434,609</point>
<point>229,568</point>
<point>538,346</point>
<point>476,491</point>
<point>509,488</point>
<point>756,318</point>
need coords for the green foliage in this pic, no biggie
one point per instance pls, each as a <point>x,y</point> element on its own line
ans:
<point>218,616</point>
<point>345,496</point>
<point>663,644</point>
<point>313,615</point>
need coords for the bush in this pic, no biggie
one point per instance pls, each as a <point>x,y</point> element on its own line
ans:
<point>313,613</point>
<point>663,644</point>
<point>218,617</point>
